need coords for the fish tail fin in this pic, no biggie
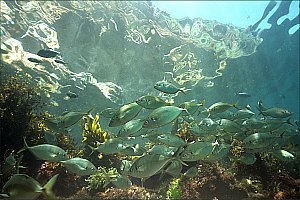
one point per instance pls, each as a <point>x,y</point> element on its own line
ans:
<point>208,116</point>
<point>260,107</point>
<point>178,152</point>
<point>92,148</point>
<point>47,189</point>
<point>288,121</point>
<point>260,111</point>
<point>183,109</point>
<point>183,163</point>
<point>25,146</point>
<point>106,182</point>
<point>202,102</point>
<point>183,90</point>
<point>235,105</point>
<point>162,175</point>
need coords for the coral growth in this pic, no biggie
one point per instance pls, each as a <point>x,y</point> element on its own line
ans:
<point>173,191</point>
<point>98,181</point>
<point>213,181</point>
<point>133,192</point>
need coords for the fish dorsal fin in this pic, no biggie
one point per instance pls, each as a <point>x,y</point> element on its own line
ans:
<point>64,113</point>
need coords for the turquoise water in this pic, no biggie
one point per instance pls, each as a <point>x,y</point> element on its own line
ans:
<point>83,55</point>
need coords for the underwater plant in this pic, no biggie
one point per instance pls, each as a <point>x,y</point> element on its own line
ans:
<point>92,133</point>
<point>20,105</point>
<point>98,181</point>
<point>134,192</point>
<point>20,114</point>
<point>174,191</point>
<point>237,148</point>
<point>92,136</point>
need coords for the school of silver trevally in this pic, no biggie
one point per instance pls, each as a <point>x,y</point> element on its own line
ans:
<point>154,140</point>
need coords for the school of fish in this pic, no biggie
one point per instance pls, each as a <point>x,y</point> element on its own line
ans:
<point>149,130</point>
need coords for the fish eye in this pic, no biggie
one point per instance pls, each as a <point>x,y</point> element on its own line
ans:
<point>153,118</point>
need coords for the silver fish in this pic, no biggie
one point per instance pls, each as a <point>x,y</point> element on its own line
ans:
<point>283,155</point>
<point>196,130</point>
<point>124,114</point>
<point>188,118</point>
<point>276,112</point>
<point>169,88</point>
<point>46,152</point>
<point>79,166</point>
<point>152,135</point>
<point>219,151</point>
<point>208,124</point>
<point>148,165</point>
<point>50,137</point>
<point>162,150</point>
<point>243,94</point>
<point>259,140</point>
<point>121,182</point>
<point>174,168</point>
<point>197,151</point>
<point>190,107</point>
<point>71,118</point>
<point>219,107</point>
<point>191,172</point>
<point>151,102</point>
<point>136,150</point>
<point>227,114</point>
<point>22,186</point>
<point>162,116</point>
<point>108,112</point>
<point>9,164</point>
<point>171,140</point>
<point>131,127</point>
<point>243,114</point>
<point>247,158</point>
<point>54,124</point>
<point>228,126</point>
<point>253,123</point>
<point>111,146</point>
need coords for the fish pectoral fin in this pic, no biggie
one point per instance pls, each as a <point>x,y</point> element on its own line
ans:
<point>53,155</point>
<point>82,168</point>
